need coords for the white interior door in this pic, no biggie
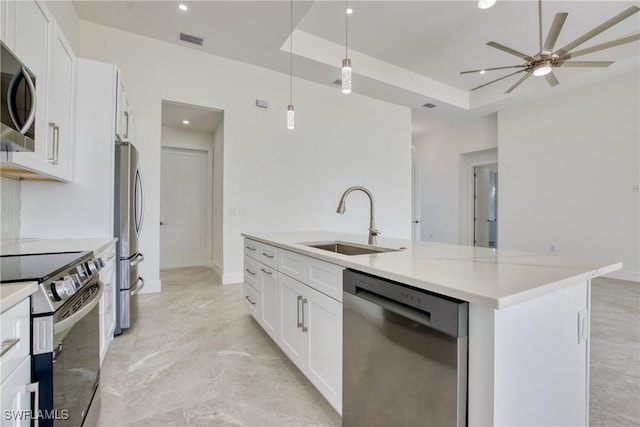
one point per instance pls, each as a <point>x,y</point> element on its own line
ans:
<point>184,189</point>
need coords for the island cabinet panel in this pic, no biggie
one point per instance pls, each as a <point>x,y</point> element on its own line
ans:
<point>531,365</point>
<point>300,309</point>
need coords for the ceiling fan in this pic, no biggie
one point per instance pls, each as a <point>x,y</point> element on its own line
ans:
<point>543,62</point>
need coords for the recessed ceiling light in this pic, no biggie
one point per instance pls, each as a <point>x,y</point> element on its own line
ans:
<point>185,122</point>
<point>183,7</point>
<point>349,11</point>
<point>483,71</point>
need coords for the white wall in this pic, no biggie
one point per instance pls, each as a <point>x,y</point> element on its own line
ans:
<point>10,193</point>
<point>570,183</point>
<point>445,158</point>
<point>274,179</point>
<point>217,260</point>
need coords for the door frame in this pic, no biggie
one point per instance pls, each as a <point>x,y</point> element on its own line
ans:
<point>469,161</point>
<point>209,220</point>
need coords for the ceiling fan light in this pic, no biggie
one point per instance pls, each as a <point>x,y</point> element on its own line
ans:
<point>486,4</point>
<point>542,69</point>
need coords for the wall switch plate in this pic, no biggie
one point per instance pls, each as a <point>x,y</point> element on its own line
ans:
<point>583,326</point>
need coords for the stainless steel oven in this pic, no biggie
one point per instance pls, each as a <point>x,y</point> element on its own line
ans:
<point>65,334</point>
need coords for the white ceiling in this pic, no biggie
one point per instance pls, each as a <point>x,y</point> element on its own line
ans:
<point>405,52</point>
<point>200,119</point>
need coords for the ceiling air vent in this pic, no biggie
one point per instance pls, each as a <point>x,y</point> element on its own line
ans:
<point>190,39</point>
<point>429,105</point>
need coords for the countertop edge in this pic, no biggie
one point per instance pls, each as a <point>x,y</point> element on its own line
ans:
<point>14,293</point>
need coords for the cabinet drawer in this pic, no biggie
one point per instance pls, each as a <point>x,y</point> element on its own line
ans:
<point>251,272</point>
<point>14,396</point>
<point>268,255</point>
<point>291,264</point>
<point>15,337</point>
<point>251,248</point>
<point>252,301</point>
<point>324,277</point>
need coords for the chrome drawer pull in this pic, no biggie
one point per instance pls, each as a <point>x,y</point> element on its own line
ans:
<point>266,271</point>
<point>250,272</point>
<point>267,255</point>
<point>250,248</point>
<point>298,314</point>
<point>304,327</point>
<point>249,299</point>
<point>8,345</point>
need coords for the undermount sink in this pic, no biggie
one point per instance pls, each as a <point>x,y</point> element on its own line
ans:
<point>345,248</point>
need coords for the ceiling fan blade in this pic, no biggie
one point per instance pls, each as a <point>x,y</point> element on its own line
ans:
<point>497,80</point>
<point>510,51</point>
<point>602,46</point>
<point>516,84</point>
<point>492,69</point>
<point>551,79</point>
<point>600,28</point>
<point>554,31</point>
<point>586,64</point>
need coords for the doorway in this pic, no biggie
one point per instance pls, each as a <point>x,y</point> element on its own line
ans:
<point>191,186</point>
<point>485,205</point>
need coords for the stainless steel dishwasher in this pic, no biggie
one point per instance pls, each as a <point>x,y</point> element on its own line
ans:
<point>404,355</point>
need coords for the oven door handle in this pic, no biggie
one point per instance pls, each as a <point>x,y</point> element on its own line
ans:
<point>66,324</point>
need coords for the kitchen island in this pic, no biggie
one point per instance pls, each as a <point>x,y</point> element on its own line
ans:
<point>528,358</point>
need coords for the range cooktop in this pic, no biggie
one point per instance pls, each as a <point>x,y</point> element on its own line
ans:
<point>37,267</point>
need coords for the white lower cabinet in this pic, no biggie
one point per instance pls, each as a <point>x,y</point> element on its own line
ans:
<point>16,400</point>
<point>304,322</point>
<point>107,310</point>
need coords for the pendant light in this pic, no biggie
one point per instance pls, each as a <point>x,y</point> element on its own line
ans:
<point>346,62</point>
<point>291,122</point>
<point>486,4</point>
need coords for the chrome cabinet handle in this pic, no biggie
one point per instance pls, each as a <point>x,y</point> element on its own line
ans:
<point>35,389</point>
<point>126,131</point>
<point>304,328</point>
<point>56,144</point>
<point>250,248</point>
<point>298,311</point>
<point>51,158</point>
<point>249,299</point>
<point>250,272</point>
<point>8,345</point>
<point>266,271</point>
<point>267,255</point>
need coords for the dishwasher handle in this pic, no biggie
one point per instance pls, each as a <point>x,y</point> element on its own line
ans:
<point>420,316</point>
<point>439,312</point>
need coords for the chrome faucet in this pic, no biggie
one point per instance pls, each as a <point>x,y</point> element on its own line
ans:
<point>372,227</point>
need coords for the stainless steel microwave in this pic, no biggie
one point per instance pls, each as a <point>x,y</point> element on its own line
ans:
<point>18,110</point>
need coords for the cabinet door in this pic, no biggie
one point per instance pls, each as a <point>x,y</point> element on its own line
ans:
<point>270,301</point>
<point>107,309</point>
<point>61,107</point>
<point>33,32</point>
<point>14,397</point>
<point>323,318</point>
<point>7,23</point>
<point>292,339</point>
<point>123,113</point>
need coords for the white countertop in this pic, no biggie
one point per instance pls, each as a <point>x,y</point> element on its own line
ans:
<point>496,278</point>
<point>12,293</point>
<point>38,246</point>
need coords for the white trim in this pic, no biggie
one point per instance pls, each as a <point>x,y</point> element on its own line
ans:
<point>232,278</point>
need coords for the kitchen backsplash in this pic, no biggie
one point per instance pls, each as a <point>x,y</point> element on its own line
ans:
<point>10,191</point>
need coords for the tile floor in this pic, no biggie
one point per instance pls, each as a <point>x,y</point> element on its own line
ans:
<point>196,358</point>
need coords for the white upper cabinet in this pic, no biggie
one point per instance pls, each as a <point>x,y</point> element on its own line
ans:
<point>124,120</point>
<point>30,31</point>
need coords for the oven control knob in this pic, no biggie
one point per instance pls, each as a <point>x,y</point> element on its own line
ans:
<point>93,267</point>
<point>63,289</point>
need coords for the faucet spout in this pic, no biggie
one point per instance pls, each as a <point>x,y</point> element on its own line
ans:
<point>372,227</point>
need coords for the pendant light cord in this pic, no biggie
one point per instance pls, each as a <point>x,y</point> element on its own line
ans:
<point>291,57</point>
<point>540,22</point>
<point>346,28</point>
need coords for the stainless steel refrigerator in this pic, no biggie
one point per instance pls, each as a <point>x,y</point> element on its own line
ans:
<point>129,213</point>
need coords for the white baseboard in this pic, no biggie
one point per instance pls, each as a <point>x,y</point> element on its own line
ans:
<point>633,276</point>
<point>232,278</point>
<point>216,267</point>
<point>151,287</point>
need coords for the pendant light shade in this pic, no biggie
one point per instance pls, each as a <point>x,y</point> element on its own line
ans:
<point>291,122</point>
<point>346,76</point>
<point>346,62</point>
<point>291,117</point>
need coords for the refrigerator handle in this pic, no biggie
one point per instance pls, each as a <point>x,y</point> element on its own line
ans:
<point>137,259</point>
<point>139,208</point>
